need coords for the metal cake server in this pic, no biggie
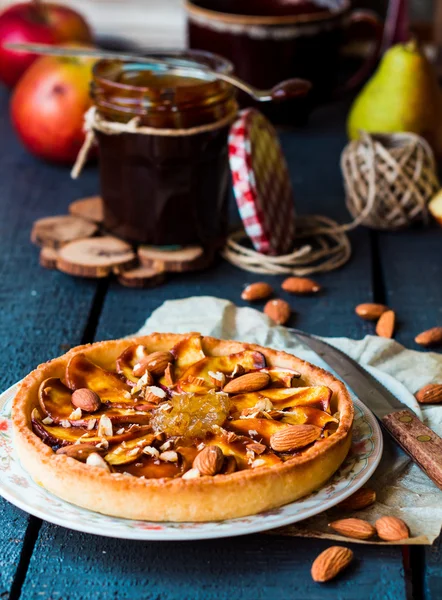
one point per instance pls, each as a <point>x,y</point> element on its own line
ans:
<point>421,443</point>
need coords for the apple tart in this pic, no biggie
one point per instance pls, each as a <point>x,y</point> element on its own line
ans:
<point>173,427</point>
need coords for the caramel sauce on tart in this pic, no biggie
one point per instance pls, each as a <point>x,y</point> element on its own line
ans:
<point>180,413</point>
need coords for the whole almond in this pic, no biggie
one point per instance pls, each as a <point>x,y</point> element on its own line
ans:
<point>300,285</point>
<point>392,529</point>
<point>209,461</point>
<point>278,310</point>
<point>293,437</point>
<point>330,563</point>
<point>370,311</point>
<point>156,363</point>
<point>362,498</point>
<point>257,291</point>
<point>80,451</point>
<point>430,394</point>
<point>385,325</point>
<point>86,399</point>
<point>431,337</point>
<point>354,528</point>
<point>250,382</point>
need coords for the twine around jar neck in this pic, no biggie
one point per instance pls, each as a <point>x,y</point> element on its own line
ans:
<point>93,122</point>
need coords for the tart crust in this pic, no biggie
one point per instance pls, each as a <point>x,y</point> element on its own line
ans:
<point>206,498</point>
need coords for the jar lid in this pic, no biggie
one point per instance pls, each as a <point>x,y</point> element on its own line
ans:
<point>261,183</point>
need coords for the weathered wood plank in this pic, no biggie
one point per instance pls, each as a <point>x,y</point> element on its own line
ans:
<point>412,274</point>
<point>313,154</point>
<point>412,267</point>
<point>432,571</point>
<point>42,312</point>
<point>245,568</point>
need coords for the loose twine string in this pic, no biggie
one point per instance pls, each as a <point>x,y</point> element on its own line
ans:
<point>388,182</point>
<point>388,179</point>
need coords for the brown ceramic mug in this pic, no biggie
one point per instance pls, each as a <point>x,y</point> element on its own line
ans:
<point>269,41</point>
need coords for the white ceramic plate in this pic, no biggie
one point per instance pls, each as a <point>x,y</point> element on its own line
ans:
<point>18,487</point>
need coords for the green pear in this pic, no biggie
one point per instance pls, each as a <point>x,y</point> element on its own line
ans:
<point>402,95</point>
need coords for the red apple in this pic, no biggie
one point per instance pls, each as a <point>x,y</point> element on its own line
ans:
<point>48,105</point>
<point>38,23</point>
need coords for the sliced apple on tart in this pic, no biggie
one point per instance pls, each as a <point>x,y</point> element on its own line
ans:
<point>63,435</point>
<point>83,373</point>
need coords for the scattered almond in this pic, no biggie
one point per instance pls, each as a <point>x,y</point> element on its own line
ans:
<point>392,529</point>
<point>209,461</point>
<point>300,285</point>
<point>95,460</point>
<point>330,563</point>
<point>154,394</point>
<point>430,394</point>
<point>256,447</point>
<point>86,400</point>
<point>168,375</point>
<point>191,474</point>
<point>257,291</point>
<point>385,325</point>
<point>237,371</point>
<point>156,363</point>
<point>140,369</point>
<point>169,456</point>
<point>151,451</point>
<point>362,498</point>
<point>76,414</point>
<point>431,337</point>
<point>370,311</point>
<point>293,437</point>
<point>250,382</point>
<point>104,427</point>
<point>278,310</point>
<point>217,378</point>
<point>354,528</point>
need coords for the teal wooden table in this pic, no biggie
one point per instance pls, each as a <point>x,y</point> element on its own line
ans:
<point>43,313</point>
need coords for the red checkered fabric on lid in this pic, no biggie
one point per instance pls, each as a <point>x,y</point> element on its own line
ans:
<point>261,183</point>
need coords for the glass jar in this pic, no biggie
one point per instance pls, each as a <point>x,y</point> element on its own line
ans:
<point>169,188</point>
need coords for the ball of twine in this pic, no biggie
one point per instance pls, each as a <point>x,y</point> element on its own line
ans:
<point>389,179</point>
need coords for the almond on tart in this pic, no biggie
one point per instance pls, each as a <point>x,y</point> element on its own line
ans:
<point>171,427</point>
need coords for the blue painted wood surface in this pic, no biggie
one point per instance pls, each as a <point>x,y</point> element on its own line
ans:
<point>246,568</point>
<point>42,313</point>
<point>45,312</point>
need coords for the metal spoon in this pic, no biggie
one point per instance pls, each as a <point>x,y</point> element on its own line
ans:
<point>291,88</point>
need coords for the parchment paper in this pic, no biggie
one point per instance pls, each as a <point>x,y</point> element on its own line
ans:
<point>402,489</point>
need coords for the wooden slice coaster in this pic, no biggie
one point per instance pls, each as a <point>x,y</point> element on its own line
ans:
<point>182,259</point>
<point>48,257</point>
<point>95,257</point>
<point>90,209</point>
<point>142,277</point>
<point>57,231</point>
